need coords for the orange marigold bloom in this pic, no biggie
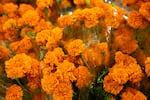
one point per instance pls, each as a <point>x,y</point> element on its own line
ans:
<point>42,25</point>
<point>22,46</point>
<point>124,58</point>
<point>37,96</point>
<point>122,42</point>
<point>87,15</point>
<point>75,47</point>
<point>66,20</point>
<point>10,24</point>
<point>119,73</point>
<point>59,54</point>
<point>83,76</point>
<point>42,37</point>
<point>49,83</point>
<point>57,33</point>
<point>132,94</point>
<point>44,3</point>
<point>136,20</point>
<point>10,9</point>
<point>65,71</point>
<point>4,53</point>
<point>14,92</point>
<point>23,8</point>
<point>30,17</point>
<point>50,59</point>
<point>145,10</point>
<point>65,3</point>
<point>63,92</point>
<point>51,43</point>
<point>111,86</point>
<point>18,66</point>
<point>147,66</point>
<point>135,73</point>
<point>79,2</point>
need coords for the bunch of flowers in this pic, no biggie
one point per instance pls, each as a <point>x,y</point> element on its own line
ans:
<point>74,49</point>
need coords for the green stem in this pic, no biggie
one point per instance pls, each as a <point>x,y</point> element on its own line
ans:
<point>84,60</point>
<point>17,80</point>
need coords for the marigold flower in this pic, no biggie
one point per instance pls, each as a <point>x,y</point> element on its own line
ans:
<point>42,37</point>
<point>83,76</point>
<point>147,66</point>
<point>124,58</point>
<point>75,47</point>
<point>42,25</point>
<point>57,33</point>
<point>87,15</point>
<point>51,43</point>
<point>10,24</point>
<point>132,94</point>
<point>24,7</point>
<point>49,83</point>
<point>111,86</point>
<point>22,46</point>
<point>18,66</point>
<point>66,20</point>
<point>44,3</point>
<point>145,10</point>
<point>50,59</point>
<point>10,9</point>
<point>79,2</point>
<point>4,53</point>
<point>65,3</point>
<point>59,54</point>
<point>14,92</point>
<point>136,20</point>
<point>122,42</point>
<point>63,92</point>
<point>37,96</point>
<point>34,82</point>
<point>65,71</point>
<point>119,73</point>
<point>30,17</point>
<point>135,73</point>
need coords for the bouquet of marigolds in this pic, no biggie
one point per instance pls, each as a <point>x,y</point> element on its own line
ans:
<point>74,49</point>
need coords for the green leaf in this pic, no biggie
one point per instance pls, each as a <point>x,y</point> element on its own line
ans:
<point>33,35</point>
<point>100,78</point>
<point>88,2</point>
<point>42,53</point>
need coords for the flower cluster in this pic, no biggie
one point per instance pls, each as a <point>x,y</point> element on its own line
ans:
<point>70,49</point>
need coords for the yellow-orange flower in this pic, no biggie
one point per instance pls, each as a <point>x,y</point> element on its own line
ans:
<point>145,10</point>
<point>66,20</point>
<point>10,9</point>
<point>23,8</point>
<point>122,42</point>
<point>63,92</point>
<point>18,66</point>
<point>83,76</point>
<point>147,66</point>
<point>4,53</point>
<point>30,17</point>
<point>42,37</point>
<point>10,24</point>
<point>79,2</point>
<point>128,2</point>
<point>42,25</point>
<point>132,94</point>
<point>14,92</point>
<point>136,20</point>
<point>22,46</point>
<point>57,33</point>
<point>49,83</point>
<point>44,3</point>
<point>65,71</point>
<point>75,47</point>
<point>111,86</point>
